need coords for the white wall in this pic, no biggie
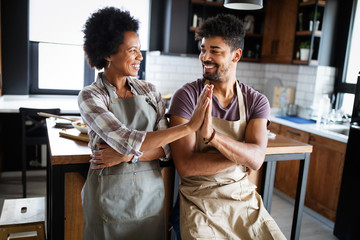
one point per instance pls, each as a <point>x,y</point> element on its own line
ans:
<point>169,73</point>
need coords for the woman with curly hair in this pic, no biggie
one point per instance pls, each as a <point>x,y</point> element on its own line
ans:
<point>123,194</point>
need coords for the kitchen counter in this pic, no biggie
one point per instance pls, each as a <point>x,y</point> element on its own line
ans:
<point>12,103</point>
<point>313,128</point>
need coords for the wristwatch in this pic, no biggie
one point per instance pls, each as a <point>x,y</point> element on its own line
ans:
<point>134,159</point>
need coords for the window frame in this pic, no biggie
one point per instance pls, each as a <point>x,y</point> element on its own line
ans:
<point>89,74</point>
<point>341,85</point>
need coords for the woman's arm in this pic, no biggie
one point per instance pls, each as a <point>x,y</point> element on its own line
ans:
<point>153,142</point>
<point>108,157</point>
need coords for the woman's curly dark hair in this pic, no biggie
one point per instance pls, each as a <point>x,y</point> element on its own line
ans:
<point>104,32</point>
<point>224,25</point>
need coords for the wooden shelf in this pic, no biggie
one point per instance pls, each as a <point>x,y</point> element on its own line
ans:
<point>312,62</point>
<point>257,35</point>
<point>218,4</point>
<point>245,59</point>
<point>313,2</point>
<point>308,33</point>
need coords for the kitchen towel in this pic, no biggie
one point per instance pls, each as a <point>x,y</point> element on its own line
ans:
<point>295,119</point>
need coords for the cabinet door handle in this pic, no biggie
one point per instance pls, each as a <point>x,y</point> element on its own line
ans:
<point>294,133</point>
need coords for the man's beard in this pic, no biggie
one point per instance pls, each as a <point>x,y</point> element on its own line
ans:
<point>215,77</point>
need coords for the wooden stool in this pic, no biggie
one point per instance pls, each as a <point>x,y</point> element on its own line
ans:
<point>23,215</point>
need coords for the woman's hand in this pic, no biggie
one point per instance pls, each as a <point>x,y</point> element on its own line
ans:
<point>107,157</point>
<point>206,129</point>
<point>205,99</point>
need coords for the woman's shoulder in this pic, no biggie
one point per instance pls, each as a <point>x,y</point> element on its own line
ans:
<point>142,86</point>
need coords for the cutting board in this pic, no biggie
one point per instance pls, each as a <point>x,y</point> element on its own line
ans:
<point>277,92</point>
<point>74,134</point>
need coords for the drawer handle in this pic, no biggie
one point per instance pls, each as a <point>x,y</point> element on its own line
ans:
<point>294,133</point>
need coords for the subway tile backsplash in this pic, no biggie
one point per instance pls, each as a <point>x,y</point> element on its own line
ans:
<point>169,73</point>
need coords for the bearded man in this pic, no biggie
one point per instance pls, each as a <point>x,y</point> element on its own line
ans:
<point>217,201</point>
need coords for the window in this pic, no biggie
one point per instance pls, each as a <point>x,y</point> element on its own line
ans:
<point>58,64</point>
<point>347,82</point>
<point>353,67</point>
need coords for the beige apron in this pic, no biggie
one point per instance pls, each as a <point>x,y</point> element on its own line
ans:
<point>126,201</point>
<point>225,205</point>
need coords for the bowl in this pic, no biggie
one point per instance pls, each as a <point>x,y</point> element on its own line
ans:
<point>81,126</point>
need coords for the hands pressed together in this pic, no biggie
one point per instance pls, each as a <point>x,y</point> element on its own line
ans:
<point>202,116</point>
<point>201,120</point>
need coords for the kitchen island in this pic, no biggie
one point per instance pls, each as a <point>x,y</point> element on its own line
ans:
<point>70,161</point>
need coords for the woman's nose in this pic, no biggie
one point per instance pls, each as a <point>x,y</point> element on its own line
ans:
<point>139,56</point>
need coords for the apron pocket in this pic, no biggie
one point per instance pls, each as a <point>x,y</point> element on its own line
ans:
<point>150,193</point>
<point>131,196</point>
<point>117,197</point>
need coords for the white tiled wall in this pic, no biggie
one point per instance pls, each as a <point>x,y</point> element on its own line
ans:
<point>169,73</point>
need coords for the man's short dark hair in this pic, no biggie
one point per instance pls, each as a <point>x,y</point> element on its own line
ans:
<point>224,25</point>
<point>104,33</point>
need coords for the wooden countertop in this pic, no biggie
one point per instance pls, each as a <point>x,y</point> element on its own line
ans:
<point>67,151</point>
<point>285,145</point>
<point>64,150</point>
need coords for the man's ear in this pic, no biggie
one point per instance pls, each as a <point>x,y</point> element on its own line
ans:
<point>237,55</point>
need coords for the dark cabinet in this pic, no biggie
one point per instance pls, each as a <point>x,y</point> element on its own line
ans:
<point>315,31</point>
<point>184,17</point>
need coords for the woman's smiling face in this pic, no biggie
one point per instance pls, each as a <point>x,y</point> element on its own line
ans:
<point>126,62</point>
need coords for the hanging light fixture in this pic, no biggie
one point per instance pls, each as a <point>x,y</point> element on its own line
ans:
<point>244,4</point>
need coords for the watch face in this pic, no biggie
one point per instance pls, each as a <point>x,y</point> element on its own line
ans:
<point>135,160</point>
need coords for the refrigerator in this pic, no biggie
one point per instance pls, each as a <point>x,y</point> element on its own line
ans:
<point>347,222</point>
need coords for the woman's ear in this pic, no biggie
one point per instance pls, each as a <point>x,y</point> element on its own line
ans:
<point>237,55</point>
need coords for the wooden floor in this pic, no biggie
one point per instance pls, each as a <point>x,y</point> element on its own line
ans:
<point>282,209</point>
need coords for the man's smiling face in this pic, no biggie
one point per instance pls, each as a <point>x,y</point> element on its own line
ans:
<point>216,58</point>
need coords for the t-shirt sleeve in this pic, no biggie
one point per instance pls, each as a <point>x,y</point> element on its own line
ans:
<point>184,101</point>
<point>259,106</point>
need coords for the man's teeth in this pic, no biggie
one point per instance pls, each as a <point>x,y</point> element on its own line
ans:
<point>209,66</point>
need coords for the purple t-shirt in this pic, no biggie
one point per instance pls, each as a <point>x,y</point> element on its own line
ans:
<point>185,98</point>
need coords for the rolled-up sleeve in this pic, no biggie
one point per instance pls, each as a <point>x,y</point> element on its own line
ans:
<point>93,105</point>
<point>162,124</point>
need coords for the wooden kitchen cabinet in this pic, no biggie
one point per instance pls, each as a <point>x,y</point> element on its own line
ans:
<point>274,128</point>
<point>325,171</point>
<point>287,171</point>
<point>279,31</point>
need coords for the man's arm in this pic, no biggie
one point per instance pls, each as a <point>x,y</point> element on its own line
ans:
<point>190,163</point>
<point>250,153</point>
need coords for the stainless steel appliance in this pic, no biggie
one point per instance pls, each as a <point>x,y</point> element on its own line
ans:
<point>347,223</point>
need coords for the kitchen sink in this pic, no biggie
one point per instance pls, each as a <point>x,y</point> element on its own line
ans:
<point>337,128</point>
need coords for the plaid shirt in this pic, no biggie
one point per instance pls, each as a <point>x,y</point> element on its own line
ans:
<point>94,102</point>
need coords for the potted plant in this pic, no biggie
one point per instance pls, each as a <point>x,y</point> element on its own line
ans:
<point>304,50</point>
<point>317,21</point>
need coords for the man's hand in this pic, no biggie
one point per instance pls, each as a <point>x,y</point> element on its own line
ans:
<point>206,129</point>
<point>197,119</point>
<point>107,157</point>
